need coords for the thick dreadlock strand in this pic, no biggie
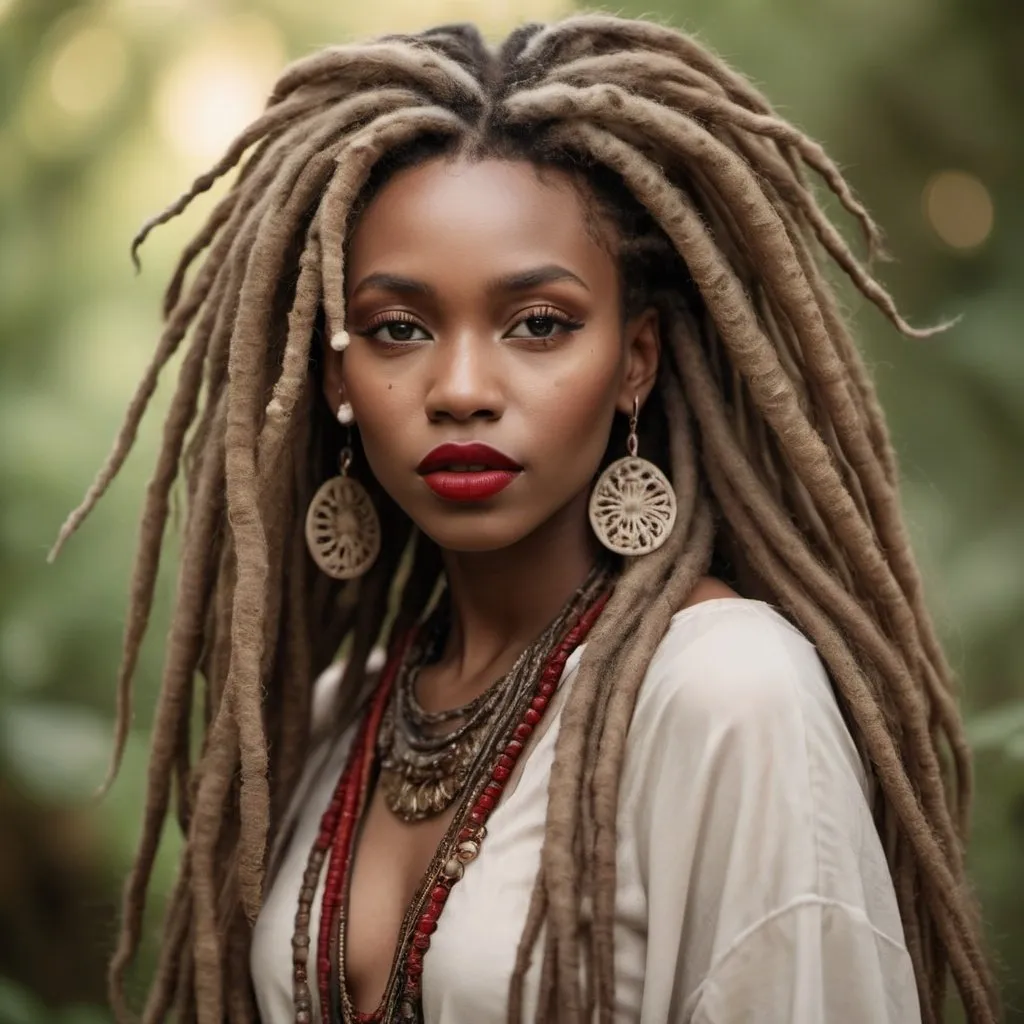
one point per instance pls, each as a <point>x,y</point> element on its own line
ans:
<point>860,541</point>
<point>289,387</point>
<point>686,484</point>
<point>628,671</point>
<point>183,646</point>
<point>780,533</point>
<point>357,160</point>
<point>168,971</point>
<point>172,336</point>
<point>407,62</point>
<point>893,537</point>
<point>757,362</point>
<point>563,836</point>
<point>247,380</point>
<point>220,763</point>
<point>154,519</point>
<point>786,469</point>
<point>276,117</point>
<point>946,898</point>
<point>691,238</point>
<point>660,77</point>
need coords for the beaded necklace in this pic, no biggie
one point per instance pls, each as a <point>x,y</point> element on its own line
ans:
<point>335,842</point>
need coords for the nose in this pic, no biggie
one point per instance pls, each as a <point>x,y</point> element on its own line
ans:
<point>465,380</point>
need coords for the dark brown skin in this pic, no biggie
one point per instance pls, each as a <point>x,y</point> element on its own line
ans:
<point>481,364</point>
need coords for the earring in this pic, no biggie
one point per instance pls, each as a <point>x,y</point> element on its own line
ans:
<point>345,414</point>
<point>342,528</point>
<point>632,506</point>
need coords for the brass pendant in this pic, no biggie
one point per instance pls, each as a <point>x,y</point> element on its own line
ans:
<point>417,786</point>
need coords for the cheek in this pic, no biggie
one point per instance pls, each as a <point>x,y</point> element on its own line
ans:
<point>384,408</point>
<point>576,414</point>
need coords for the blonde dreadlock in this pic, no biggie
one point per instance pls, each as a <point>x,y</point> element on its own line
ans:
<point>775,443</point>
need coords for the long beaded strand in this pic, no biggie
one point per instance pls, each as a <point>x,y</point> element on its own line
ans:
<point>338,826</point>
<point>325,837</point>
<point>472,834</point>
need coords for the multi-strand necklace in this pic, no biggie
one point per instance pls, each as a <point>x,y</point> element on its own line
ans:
<point>423,770</point>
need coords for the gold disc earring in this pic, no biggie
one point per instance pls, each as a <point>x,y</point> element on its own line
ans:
<point>632,506</point>
<point>342,528</point>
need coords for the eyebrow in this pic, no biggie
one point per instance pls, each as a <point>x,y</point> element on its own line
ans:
<point>518,282</point>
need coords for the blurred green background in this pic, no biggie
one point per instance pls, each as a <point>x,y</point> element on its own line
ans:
<point>107,110</point>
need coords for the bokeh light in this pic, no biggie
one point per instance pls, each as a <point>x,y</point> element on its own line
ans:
<point>494,17</point>
<point>74,82</point>
<point>218,86</point>
<point>959,208</point>
<point>89,70</point>
<point>113,106</point>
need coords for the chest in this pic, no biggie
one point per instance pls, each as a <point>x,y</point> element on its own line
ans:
<point>389,863</point>
<point>468,968</point>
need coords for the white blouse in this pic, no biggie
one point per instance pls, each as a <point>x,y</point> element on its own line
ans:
<point>751,883</point>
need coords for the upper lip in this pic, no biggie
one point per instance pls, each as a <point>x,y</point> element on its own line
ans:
<point>474,453</point>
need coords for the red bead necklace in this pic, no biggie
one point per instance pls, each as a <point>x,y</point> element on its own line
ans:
<point>336,840</point>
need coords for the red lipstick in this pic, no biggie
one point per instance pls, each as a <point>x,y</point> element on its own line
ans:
<point>467,472</point>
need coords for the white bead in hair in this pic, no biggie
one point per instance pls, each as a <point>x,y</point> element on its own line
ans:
<point>339,342</point>
<point>345,414</point>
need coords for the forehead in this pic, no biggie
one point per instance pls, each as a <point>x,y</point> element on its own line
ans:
<point>469,212</point>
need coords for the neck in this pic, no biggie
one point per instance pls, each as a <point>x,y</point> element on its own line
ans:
<point>501,600</point>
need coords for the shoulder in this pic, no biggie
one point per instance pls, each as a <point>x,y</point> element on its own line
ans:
<point>733,659</point>
<point>326,693</point>
<point>736,690</point>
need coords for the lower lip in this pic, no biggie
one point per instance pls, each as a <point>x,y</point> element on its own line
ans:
<point>469,486</point>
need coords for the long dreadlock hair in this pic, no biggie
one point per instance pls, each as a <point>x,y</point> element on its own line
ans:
<point>771,433</point>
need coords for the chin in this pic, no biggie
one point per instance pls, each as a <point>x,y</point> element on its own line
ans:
<point>473,533</point>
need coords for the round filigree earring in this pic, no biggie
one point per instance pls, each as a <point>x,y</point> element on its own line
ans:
<point>632,506</point>
<point>342,528</point>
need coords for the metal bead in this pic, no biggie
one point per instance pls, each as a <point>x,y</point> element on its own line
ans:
<point>467,851</point>
<point>453,869</point>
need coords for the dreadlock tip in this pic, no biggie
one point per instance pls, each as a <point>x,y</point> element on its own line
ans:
<point>55,549</point>
<point>927,333</point>
<point>340,341</point>
<point>100,793</point>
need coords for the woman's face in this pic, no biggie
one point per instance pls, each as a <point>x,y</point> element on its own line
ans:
<point>483,310</point>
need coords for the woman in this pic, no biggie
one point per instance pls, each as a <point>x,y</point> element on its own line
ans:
<point>519,364</point>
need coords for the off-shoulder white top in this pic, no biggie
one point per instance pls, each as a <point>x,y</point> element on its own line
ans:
<point>751,885</point>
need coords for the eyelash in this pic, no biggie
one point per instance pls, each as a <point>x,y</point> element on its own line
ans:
<point>565,323</point>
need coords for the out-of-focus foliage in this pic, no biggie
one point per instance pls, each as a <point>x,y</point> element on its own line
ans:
<point>108,108</point>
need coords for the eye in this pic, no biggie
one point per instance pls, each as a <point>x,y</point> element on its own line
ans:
<point>545,323</point>
<point>395,330</point>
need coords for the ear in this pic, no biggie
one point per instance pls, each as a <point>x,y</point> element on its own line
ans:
<point>642,353</point>
<point>333,382</point>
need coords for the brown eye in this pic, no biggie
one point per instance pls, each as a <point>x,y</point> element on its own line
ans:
<point>544,325</point>
<point>397,332</point>
<point>401,332</point>
<point>540,326</point>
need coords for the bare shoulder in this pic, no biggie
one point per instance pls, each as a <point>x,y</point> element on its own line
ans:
<point>708,588</point>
